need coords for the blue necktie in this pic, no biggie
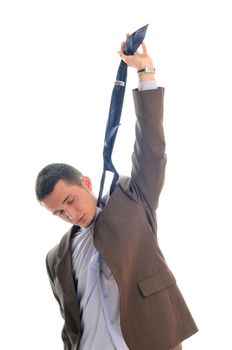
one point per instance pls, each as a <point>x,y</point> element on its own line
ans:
<point>132,44</point>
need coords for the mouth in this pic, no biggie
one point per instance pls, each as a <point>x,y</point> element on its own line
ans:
<point>81,219</point>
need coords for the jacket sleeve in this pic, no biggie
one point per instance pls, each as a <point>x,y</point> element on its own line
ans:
<point>149,157</point>
<point>64,335</point>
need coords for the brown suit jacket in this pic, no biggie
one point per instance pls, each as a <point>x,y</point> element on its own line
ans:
<point>153,313</point>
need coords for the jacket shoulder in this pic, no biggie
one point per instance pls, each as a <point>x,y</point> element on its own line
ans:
<point>51,260</point>
<point>53,256</point>
<point>129,188</point>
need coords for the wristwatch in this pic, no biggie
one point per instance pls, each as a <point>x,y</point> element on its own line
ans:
<point>146,69</point>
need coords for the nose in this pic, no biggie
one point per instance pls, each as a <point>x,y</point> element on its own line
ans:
<point>71,213</point>
<point>69,216</point>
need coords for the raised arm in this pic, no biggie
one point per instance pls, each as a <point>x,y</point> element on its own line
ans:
<point>149,158</point>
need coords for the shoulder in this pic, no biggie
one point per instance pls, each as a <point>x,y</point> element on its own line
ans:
<point>126,192</point>
<point>55,254</point>
<point>52,255</point>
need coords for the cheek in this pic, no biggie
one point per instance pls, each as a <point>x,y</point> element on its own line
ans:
<point>87,206</point>
<point>66,219</point>
<point>93,206</point>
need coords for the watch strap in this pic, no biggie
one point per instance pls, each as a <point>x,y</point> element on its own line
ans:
<point>146,69</point>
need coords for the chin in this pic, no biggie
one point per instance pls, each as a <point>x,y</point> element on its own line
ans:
<point>89,222</point>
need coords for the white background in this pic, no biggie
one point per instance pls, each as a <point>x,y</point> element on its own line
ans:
<point>58,61</point>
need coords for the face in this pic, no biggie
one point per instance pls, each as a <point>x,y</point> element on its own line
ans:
<point>72,203</point>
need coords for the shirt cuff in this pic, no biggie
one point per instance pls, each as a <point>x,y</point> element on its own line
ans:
<point>147,85</point>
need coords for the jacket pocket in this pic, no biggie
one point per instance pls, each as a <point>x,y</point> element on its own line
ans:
<point>156,283</point>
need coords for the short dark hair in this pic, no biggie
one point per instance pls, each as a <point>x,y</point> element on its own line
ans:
<point>51,174</point>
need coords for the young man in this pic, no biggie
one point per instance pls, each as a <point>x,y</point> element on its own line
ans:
<point>108,273</point>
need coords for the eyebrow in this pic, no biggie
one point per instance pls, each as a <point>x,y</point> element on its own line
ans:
<point>65,200</point>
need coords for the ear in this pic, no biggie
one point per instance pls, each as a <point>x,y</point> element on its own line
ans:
<point>86,182</point>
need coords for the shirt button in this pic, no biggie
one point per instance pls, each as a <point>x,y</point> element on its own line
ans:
<point>105,296</point>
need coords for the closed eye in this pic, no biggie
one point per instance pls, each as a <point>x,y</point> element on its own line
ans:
<point>58,213</point>
<point>70,201</point>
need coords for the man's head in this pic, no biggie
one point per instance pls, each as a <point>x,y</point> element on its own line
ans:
<point>65,192</point>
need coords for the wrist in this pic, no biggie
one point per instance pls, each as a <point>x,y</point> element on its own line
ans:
<point>146,76</point>
<point>146,72</point>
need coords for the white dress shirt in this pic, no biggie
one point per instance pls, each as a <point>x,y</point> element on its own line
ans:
<point>97,290</point>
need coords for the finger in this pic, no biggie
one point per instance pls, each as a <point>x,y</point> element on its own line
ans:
<point>122,55</point>
<point>139,51</point>
<point>123,44</point>
<point>144,47</point>
<point>127,35</point>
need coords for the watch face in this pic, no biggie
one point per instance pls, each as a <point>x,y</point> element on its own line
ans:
<point>146,69</point>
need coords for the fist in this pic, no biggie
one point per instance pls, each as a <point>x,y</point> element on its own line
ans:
<point>138,59</point>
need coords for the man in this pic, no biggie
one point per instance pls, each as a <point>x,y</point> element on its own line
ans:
<point>108,274</point>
